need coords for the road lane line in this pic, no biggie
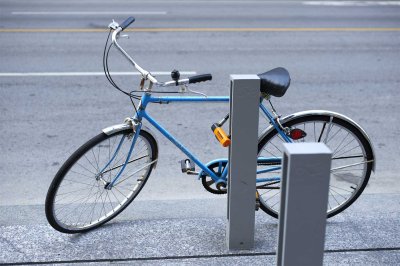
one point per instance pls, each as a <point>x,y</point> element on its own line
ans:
<point>89,13</point>
<point>352,3</point>
<point>74,74</point>
<point>256,29</point>
<point>58,30</point>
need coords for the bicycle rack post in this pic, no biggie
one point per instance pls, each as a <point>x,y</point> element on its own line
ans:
<point>244,111</point>
<point>304,200</point>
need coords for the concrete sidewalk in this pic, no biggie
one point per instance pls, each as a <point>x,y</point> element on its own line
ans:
<point>193,232</point>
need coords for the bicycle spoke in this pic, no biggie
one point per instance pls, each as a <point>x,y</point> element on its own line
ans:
<point>120,192</point>
<point>315,134</point>
<point>74,181</point>
<point>109,200</point>
<point>347,151</point>
<point>334,135</point>
<point>341,188</point>
<point>119,202</point>
<point>270,198</point>
<point>273,205</point>
<point>322,132</point>
<point>337,193</point>
<point>82,174</point>
<point>334,197</point>
<point>340,144</point>
<point>345,170</point>
<point>350,165</point>
<point>65,205</point>
<point>95,160</point>
<point>140,169</point>
<point>91,164</point>
<point>98,158</point>
<point>131,161</point>
<point>348,157</point>
<point>94,206</point>
<point>86,168</point>
<point>66,193</point>
<point>328,130</point>
<point>85,202</point>
<point>103,202</point>
<point>270,152</point>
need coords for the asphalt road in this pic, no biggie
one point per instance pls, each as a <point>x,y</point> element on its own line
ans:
<point>341,58</point>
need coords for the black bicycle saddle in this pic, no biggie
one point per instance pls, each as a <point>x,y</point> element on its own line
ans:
<point>275,82</point>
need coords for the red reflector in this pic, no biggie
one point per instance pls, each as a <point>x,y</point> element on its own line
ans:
<point>296,134</point>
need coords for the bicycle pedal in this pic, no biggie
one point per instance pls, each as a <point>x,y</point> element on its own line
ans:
<point>187,166</point>
<point>192,173</point>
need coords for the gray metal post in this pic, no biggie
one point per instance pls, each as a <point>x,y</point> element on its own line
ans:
<point>244,106</point>
<point>304,200</point>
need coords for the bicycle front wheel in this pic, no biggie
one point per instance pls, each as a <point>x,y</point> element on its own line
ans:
<point>352,161</point>
<point>79,200</point>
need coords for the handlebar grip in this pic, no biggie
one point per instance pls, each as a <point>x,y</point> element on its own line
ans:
<point>127,22</point>
<point>200,78</point>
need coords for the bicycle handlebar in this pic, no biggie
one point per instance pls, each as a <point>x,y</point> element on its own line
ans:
<point>189,80</point>
<point>146,74</point>
<point>200,78</point>
<point>127,22</point>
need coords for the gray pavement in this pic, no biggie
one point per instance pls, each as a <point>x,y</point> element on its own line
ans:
<point>44,119</point>
<point>193,232</point>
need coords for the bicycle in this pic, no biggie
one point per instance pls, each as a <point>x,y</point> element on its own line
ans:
<point>102,177</point>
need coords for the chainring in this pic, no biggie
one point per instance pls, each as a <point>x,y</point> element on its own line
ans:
<point>208,183</point>
<point>218,167</point>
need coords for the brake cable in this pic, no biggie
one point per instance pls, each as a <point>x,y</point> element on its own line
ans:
<point>108,74</point>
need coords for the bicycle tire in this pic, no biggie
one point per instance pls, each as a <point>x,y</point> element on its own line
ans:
<point>68,176</point>
<point>337,182</point>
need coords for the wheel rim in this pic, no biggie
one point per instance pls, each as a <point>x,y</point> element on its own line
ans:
<point>349,163</point>
<point>82,201</point>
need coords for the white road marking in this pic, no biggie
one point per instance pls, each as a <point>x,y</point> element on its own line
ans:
<point>74,74</point>
<point>352,3</point>
<point>89,12</point>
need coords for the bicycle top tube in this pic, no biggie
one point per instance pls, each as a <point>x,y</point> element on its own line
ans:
<point>168,99</point>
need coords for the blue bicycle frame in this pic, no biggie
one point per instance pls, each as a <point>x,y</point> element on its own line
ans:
<point>142,114</point>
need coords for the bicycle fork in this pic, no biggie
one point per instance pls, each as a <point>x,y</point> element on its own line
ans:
<point>99,176</point>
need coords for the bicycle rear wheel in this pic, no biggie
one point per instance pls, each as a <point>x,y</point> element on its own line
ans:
<point>352,161</point>
<point>78,200</point>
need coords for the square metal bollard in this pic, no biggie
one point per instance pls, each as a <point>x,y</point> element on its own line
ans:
<point>244,112</point>
<point>304,200</point>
